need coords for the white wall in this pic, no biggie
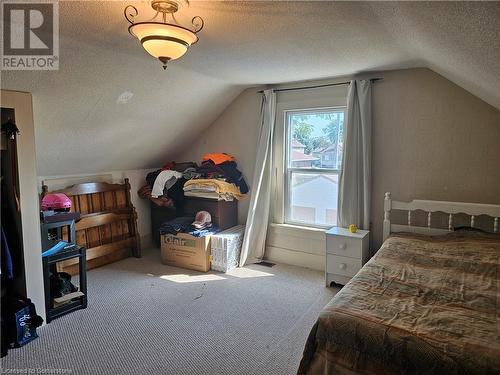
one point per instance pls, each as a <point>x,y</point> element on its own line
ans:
<point>234,132</point>
<point>431,140</point>
<point>136,178</point>
<point>30,222</point>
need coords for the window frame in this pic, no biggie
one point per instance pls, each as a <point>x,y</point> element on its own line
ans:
<point>288,171</point>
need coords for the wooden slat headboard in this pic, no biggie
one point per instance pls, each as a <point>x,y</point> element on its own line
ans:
<point>450,208</point>
<point>96,197</point>
<point>108,225</point>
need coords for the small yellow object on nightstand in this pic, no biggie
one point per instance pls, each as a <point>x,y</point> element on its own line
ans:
<point>353,228</point>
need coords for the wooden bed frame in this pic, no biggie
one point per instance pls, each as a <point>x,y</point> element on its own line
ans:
<point>451,208</point>
<point>108,224</point>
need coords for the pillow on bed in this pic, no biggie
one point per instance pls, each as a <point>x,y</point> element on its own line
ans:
<point>473,233</point>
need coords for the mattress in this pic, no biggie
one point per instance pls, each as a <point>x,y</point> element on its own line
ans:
<point>421,305</point>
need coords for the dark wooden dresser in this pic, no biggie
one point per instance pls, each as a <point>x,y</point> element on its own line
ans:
<point>224,214</point>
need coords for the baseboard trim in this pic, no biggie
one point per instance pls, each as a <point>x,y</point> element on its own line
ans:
<point>295,258</point>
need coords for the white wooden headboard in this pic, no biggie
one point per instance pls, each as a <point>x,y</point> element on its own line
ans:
<point>450,208</point>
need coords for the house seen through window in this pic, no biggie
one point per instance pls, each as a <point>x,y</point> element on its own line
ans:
<point>313,162</point>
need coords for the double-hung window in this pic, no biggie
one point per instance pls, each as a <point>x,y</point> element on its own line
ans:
<point>313,158</point>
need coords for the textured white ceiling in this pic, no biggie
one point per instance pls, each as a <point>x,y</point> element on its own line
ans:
<point>111,106</point>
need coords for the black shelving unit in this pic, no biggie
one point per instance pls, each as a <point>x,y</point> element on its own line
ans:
<point>49,265</point>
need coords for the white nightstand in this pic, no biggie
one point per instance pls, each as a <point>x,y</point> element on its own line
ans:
<point>346,253</point>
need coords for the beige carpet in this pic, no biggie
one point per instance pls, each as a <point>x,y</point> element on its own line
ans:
<point>147,318</point>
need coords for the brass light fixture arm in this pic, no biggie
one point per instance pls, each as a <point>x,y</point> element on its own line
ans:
<point>198,24</point>
<point>130,12</point>
<point>152,18</point>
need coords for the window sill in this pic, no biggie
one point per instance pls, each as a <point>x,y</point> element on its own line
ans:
<point>298,231</point>
<point>298,227</point>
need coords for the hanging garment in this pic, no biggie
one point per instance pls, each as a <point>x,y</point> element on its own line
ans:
<point>177,194</point>
<point>7,267</point>
<point>164,181</point>
<point>151,177</point>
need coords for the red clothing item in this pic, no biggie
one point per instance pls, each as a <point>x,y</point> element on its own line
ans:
<point>168,166</point>
<point>218,158</point>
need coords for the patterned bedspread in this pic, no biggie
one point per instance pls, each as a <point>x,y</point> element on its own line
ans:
<point>421,305</point>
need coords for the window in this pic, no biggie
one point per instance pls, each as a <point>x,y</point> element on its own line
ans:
<point>314,140</point>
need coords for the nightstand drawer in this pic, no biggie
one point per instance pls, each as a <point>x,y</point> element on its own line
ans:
<point>344,246</point>
<point>342,265</point>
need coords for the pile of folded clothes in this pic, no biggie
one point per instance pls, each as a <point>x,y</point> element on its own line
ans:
<point>212,188</point>
<point>217,178</point>
<point>200,226</point>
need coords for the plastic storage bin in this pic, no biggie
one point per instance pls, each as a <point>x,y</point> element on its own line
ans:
<point>226,248</point>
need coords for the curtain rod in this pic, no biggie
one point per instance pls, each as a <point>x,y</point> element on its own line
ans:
<point>317,86</point>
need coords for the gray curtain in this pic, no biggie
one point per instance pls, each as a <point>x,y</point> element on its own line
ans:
<point>355,176</point>
<point>254,242</point>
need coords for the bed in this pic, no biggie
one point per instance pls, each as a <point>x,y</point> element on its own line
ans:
<point>108,225</point>
<point>427,303</point>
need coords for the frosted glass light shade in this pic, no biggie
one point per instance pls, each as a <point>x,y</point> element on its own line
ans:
<point>164,48</point>
<point>163,41</point>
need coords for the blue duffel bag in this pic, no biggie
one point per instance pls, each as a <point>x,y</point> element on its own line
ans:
<point>20,321</point>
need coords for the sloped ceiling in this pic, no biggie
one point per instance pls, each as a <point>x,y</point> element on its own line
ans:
<point>81,126</point>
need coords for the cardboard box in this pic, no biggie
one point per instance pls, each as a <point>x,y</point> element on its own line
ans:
<point>186,251</point>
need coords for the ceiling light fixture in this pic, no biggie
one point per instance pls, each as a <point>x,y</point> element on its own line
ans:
<point>162,40</point>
